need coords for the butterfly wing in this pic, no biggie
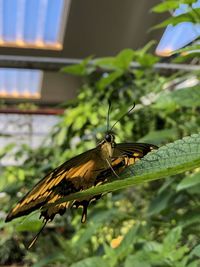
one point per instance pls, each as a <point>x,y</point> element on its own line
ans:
<point>125,154</point>
<point>72,176</point>
<point>81,172</point>
<point>132,150</point>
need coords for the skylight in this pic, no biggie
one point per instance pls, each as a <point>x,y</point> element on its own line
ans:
<point>33,23</point>
<point>20,83</point>
<point>176,37</point>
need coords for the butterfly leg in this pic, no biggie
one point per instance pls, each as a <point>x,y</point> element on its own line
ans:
<point>112,169</point>
<point>128,162</point>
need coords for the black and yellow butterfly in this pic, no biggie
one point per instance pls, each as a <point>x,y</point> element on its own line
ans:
<point>81,172</point>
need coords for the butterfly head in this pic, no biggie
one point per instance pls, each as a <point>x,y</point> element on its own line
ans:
<point>109,138</point>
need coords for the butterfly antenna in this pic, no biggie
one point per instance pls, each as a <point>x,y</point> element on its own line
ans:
<point>37,235</point>
<point>125,114</point>
<point>108,115</point>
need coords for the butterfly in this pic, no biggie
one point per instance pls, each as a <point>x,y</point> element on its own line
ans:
<point>88,169</point>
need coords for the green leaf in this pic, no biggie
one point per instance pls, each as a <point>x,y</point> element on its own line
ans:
<point>187,97</point>
<point>147,60</point>
<point>91,262</point>
<point>177,157</point>
<point>193,264</point>
<point>188,49</point>
<point>159,203</point>
<point>165,6</point>
<point>108,79</point>
<point>172,238</point>
<point>186,17</point>
<point>52,258</point>
<point>132,261</point>
<point>80,69</point>
<point>106,63</point>
<point>6,149</point>
<point>196,251</point>
<point>126,245</point>
<point>160,136</point>
<point>120,62</point>
<point>30,223</point>
<point>190,218</point>
<point>189,2</point>
<point>124,58</point>
<point>189,181</point>
<point>146,48</point>
<point>88,232</point>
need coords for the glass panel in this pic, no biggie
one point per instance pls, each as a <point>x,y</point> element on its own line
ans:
<point>176,37</point>
<point>20,83</point>
<point>32,23</point>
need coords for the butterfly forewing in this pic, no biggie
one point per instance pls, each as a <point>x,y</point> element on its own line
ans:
<point>72,176</point>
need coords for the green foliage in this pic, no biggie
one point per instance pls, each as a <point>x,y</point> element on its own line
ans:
<point>189,49</point>
<point>145,224</point>
<point>191,14</point>
<point>187,97</point>
<point>170,5</point>
<point>189,181</point>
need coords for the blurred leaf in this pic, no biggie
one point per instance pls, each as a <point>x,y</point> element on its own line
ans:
<point>159,203</point>
<point>165,6</point>
<point>106,63</point>
<point>190,218</point>
<point>189,181</point>
<point>186,17</point>
<point>147,60</point>
<point>108,79</point>
<point>160,136</point>
<point>61,136</point>
<point>79,69</point>
<point>6,149</point>
<point>146,48</point>
<point>91,262</point>
<point>187,97</point>
<point>172,238</point>
<point>168,5</point>
<point>127,243</point>
<point>111,255</point>
<point>32,226</point>
<point>124,58</point>
<point>189,48</point>
<point>131,261</point>
<point>87,234</point>
<point>52,258</point>
<point>29,223</point>
<point>189,2</point>
<point>196,251</point>
<point>120,62</point>
<point>193,264</point>
<point>153,246</point>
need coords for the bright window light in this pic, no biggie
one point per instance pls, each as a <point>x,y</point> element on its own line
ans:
<point>33,23</point>
<point>20,83</point>
<point>176,37</point>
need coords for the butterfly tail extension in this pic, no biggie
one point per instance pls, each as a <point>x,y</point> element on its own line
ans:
<point>37,235</point>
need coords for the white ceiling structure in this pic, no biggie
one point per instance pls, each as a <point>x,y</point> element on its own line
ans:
<point>32,31</point>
